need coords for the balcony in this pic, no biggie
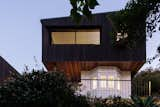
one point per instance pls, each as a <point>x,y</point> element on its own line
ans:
<point>102,88</point>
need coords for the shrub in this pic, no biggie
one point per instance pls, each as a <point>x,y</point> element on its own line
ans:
<point>40,88</point>
<point>141,82</point>
<point>147,102</point>
<point>113,102</point>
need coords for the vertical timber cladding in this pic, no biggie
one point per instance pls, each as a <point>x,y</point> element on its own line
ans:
<point>69,56</point>
<point>72,70</point>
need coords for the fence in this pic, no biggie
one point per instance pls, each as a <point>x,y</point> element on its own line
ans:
<point>141,88</point>
<point>106,88</point>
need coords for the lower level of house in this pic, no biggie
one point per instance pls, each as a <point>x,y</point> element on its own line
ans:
<point>106,81</point>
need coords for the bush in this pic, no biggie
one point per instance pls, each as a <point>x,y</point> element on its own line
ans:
<point>147,102</point>
<point>145,76</point>
<point>113,102</point>
<point>40,88</point>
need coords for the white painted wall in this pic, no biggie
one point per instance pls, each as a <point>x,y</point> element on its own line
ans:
<point>101,88</point>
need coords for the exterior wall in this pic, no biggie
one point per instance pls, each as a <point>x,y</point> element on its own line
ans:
<point>53,54</point>
<point>103,52</point>
<point>94,85</point>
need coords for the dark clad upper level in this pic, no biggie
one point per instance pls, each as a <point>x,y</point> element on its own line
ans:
<point>103,52</point>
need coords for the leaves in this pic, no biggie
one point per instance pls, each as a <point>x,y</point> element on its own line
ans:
<point>148,102</point>
<point>75,15</point>
<point>136,19</point>
<point>82,7</point>
<point>38,88</point>
<point>92,4</point>
<point>86,11</point>
<point>158,49</point>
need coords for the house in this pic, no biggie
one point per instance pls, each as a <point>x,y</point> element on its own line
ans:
<point>85,53</point>
<point>6,70</point>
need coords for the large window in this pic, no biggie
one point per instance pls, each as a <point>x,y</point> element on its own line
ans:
<point>76,37</point>
<point>118,84</point>
<point>94,83</point>
<point>110,82</point>
<point>103,81</point>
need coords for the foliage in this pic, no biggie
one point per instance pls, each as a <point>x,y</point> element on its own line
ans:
<point>137,18</point>
<point>146,76</point>
<point>113,102</point>
<point>119,102</point>
<point>40,88</point>
<point>80,7</point>
<point>139,102</point>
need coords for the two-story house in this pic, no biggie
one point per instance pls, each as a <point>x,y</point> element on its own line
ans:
<point>85,53</point>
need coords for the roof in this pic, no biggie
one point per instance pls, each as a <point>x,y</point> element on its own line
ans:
<point>55,19</point>
<point>6,69</point>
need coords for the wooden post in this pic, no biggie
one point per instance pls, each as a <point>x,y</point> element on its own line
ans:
<point>149,88</point>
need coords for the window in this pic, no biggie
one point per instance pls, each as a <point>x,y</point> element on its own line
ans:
<point>110,82</point>
<point>63,38</point>
<point>103,83</point>
<point>94,83</point>
<point>88,38</point>
<point>118,84</point>
<point>76,37</point>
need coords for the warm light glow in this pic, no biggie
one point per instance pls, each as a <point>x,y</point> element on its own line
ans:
<point>118,84</point>
<point>103,83</point>
<point>111,82</point>
<point>76,37</point>
<point>94,83</point>
<point>88,38</point>
<point>63,38</point>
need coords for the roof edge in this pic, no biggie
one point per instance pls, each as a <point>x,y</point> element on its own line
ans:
<point>46,19</point>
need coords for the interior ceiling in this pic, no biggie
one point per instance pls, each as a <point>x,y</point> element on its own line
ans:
<point>73,69</point>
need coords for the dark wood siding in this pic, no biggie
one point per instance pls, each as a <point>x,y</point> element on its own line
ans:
<point>103,52</point>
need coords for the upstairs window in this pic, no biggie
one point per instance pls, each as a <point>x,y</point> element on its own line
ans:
<point>76,37</point>
<point>63,38</point>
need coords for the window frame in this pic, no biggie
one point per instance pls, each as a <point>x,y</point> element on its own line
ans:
<point>73,30</point>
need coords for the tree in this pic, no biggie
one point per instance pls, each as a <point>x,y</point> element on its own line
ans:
<point>145,76</point>
<point>82,7</point>
<point>145,13</point>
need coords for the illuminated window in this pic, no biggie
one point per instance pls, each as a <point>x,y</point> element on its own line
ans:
<point>111,82</point>
<point>88,38</point>
<point>76,37</point>
<point>103,83</point>
<point>63,38</point>
<point>118,84</point>
<point>94,83</point>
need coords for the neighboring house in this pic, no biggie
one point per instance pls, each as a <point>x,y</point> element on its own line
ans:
<point>85,53</point>
<point>6,70</point>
